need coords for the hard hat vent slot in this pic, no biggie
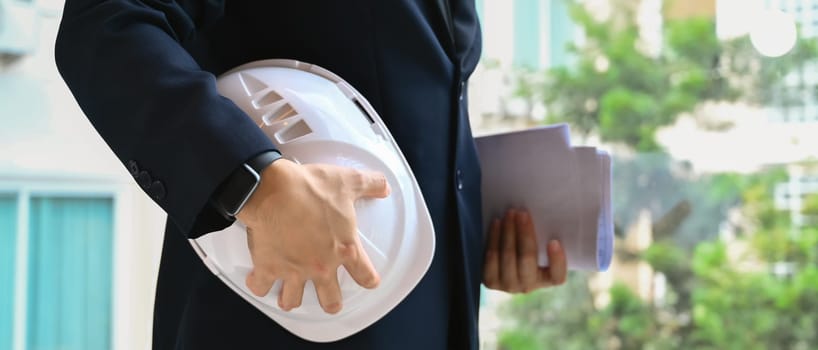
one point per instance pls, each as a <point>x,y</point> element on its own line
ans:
<point>267,99</point>
<point>278,113</point>
<point>293,131</point>
<point>363,110</point>
<point>251,84</point>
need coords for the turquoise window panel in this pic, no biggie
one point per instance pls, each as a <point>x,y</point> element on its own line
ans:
<point>526,52</point>
<point>8,244</point>
<point>561,32</point>
<point>69,273</point>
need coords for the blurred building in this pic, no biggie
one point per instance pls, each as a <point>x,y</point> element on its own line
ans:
<point>805,13</point>
<point>797,103</point>
<point>803,179</point>
<point>790,121</point>
<point>678,9</point>
<point>518,35</point>
<point>79,242</point>
<point>526,33</point>
<point>792,195</point>
<point>800,83</point>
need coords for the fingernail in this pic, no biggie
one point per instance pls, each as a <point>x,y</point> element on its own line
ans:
<point>374,282</point>
<point>520,217</point>
<point>334,308</point>
<point>554,246</point>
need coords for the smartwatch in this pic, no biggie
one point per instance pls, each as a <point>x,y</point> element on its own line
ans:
<point>231,196</point>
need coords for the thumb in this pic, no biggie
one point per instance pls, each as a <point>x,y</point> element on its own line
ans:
<point>373,185</point>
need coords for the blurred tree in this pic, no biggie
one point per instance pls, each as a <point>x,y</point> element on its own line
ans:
<point>811,206</point>
<point>624,92</point>
<point>756,291</point>
<point>753,308</point>
<point>764,295</point>
<point>564,316</point>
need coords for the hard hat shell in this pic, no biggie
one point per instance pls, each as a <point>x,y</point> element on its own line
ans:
<point>313,116</point>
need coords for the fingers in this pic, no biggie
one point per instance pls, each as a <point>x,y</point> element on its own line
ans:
<point>329,293</point>
<point>371,184</point>
<point>292,291</point>
<point>259,283</point>
<point>527,253</point>
<point>491,267</point>
<point>557,270</point>
<point>359,266</point>
<point>511,256</point>
<point>509,278</point>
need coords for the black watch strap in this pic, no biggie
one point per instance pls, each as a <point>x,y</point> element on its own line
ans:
<point>234,192</point>
<point>261,161</point>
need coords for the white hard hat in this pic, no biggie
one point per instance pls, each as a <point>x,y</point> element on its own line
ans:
<point>313,116</point>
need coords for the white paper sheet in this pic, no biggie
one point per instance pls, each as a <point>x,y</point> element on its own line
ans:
<point>564,188</point>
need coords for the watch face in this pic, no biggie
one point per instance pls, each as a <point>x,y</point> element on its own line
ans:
<point>237,189</point>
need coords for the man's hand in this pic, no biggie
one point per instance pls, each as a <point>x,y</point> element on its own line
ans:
<point>301,226</point>
<point>511,257</point>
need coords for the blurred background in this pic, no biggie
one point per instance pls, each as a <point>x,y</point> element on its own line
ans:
<point>710,108</point>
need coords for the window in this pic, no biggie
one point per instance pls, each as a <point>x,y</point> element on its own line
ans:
<point>526,33</point>
<point>55,271</point>
<point>8,232</point>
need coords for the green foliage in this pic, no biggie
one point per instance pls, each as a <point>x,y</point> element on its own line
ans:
<point>624,93</point>
<point>666,258</point>
<point>634,319</point>
<point>624,114</point>
<point>540,318</point>
<point>757,292</point>
<point>810,206</point>
<point>518,340</point>
<point>735,309</point>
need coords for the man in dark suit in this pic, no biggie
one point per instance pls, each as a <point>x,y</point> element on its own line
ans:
<point>143,72</point>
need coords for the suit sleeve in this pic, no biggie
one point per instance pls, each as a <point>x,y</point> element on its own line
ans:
<point>153,105</point>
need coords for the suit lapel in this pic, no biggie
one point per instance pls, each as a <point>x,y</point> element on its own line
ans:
<point>445,12</point>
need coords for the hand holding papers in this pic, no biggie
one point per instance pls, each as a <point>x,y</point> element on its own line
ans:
<point>566,189</point>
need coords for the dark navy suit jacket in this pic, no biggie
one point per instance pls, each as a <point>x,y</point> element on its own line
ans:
<point>143,72</point>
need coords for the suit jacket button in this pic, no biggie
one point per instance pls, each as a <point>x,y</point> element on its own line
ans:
<point>157,190</point>
<point>133,168</point>
<point>143,179</point>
